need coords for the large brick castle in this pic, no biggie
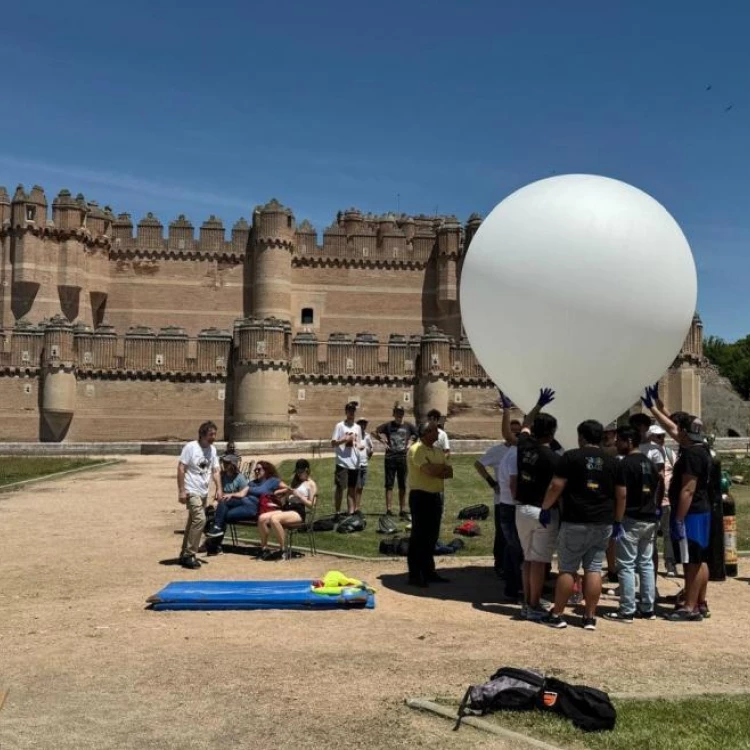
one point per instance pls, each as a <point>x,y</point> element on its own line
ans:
<point>116,332</point>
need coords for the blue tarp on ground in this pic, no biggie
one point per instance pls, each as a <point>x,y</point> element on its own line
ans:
<point>210,595</point>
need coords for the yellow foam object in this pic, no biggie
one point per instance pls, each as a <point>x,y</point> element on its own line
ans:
<point>334,582</point>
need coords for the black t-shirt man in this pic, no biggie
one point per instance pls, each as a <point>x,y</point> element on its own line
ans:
<point>399,436</point>
<point>589,494</point>
<point>536,467</point>
<point>694,461</point>
<point>640,477</point>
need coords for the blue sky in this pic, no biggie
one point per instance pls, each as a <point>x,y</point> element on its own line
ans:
<point>199,108</point>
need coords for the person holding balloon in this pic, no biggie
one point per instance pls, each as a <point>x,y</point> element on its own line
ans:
<point>690,504</point>
<point>585,479</point>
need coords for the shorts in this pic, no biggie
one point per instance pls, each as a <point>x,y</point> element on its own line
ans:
<point>537,542</point>
<point>345,477</point>
<point>299,508</point>
<point>582,545</point>
<point>395,470</point>
<point>362,479</point>
<point>694,548</point>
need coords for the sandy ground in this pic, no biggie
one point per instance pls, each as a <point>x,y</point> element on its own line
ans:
<point>88,666</point>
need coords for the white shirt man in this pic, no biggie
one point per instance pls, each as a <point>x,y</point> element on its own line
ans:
<point>493,459</point>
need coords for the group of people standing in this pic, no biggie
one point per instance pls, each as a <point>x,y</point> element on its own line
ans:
<point>353,447</point>
<point>608,495</point>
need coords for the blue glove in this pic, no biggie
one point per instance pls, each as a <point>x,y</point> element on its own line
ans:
<point>617,531</point>
<point>545,517</point>
<point>546,396</point>
<point>658,513</point>
<point>647,399</point>
<point>505,402</point>
<point>678,530</point>
<point>654,391</point>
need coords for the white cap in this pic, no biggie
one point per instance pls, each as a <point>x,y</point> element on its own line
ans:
<point>655,429</point>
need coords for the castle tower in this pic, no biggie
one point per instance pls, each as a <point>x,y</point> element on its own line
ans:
<point>449,245</point>
<point>434,373</point>
<point>261,377</point>
<point>58,379</point>
<point>273,241</point>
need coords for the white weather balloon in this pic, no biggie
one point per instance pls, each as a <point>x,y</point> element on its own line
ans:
<point>581,283</point>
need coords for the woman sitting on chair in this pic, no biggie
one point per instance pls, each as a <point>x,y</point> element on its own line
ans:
<point>241,499</point>
<point>300,495</point>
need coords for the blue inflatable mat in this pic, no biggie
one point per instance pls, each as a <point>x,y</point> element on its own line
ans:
<point>210,595</point>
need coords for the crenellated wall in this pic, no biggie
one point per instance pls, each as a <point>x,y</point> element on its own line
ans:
<point>119,329</point>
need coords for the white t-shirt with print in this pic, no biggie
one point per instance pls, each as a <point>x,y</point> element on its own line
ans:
<point>347,455</point>
<point>364,448</point>
<point>652,451</point>
<point>492,459</point>
<point>199,463</point>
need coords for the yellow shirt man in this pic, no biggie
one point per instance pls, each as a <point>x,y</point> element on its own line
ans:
<point>421,455</point>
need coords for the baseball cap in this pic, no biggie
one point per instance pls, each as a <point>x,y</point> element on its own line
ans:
<point>655,429</point>
<point>231,458</point>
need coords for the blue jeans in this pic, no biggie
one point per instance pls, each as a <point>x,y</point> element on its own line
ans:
<point>236,509</point>
<point>513,554</point>
<point>635,552</point>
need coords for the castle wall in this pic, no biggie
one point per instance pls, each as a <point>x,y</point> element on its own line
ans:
<point>145,410</point>
<point>159,291</point>
<point>355,298</point>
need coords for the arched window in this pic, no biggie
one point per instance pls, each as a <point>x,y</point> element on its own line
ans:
<point>307,317</point>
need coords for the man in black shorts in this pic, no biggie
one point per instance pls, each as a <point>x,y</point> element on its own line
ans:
<point>398,436</point>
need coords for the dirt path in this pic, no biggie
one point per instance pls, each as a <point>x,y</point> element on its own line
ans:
<point>87,666</point>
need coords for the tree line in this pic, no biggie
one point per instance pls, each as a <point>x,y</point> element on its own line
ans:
<point>732,360</point>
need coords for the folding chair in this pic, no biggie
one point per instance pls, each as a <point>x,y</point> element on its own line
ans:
<point>247,469</point>
<point>304,527</point>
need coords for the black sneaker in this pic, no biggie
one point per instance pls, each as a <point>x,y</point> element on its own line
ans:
<point>589,623</point>
<point>277,554</point>
<point>617,616</point>
<point>645,615</point>
<point>405,515</point>
<point>684,615</point>
<point>390,513</point>
<point>554,621</point>
<point>191,563</point>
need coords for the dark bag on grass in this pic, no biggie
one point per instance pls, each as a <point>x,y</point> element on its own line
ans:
<point>508,689</point>
<point>352,524</point>
<point>474,513</point>
<point>513,689</point>
<point>468,528</point>
<point>386,525</point>
<point>326,523</point>
<point>457,544</point>
<point>588,708</point>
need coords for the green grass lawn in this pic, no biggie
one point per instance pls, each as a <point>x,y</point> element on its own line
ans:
<point>700,723</point>
<point>466,488</point>
<point>18,468</point>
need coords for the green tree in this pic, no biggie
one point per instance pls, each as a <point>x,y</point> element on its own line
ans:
<point>732,360</point>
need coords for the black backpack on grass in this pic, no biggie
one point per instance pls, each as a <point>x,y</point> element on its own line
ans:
<point>474,513</point>
<point>351,524</point>
<point>325,523</point>
<point>395,546</point>
<point>513,689</point>
<point>386,525</point>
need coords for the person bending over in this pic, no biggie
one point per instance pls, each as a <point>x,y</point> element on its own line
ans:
<point>297,499</point>
<point>585,478</point>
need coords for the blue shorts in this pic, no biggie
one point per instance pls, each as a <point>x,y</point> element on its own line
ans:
<point>694,548</point>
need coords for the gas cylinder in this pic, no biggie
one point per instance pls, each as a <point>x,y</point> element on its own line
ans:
<point>730,535</point>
